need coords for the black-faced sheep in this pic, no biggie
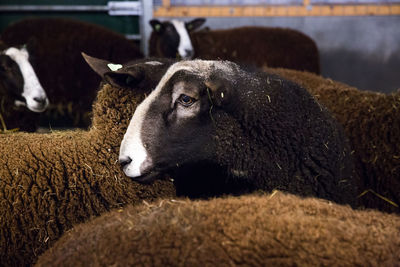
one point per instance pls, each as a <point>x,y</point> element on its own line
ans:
<point>270,230</point>
<point>372,123</point>
<point>259,46</point>
<point>49,182</point>
<point>258,130</point>
<point>20,90</point>
<point>56,45</point>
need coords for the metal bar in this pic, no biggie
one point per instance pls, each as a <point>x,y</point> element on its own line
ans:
<point>133,36</point>
<point>145,28</point>
<point>54,8</point>
<point>114,8</point>
<point>124,8</point>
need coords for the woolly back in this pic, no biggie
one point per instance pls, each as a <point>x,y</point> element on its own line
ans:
<point>259,46</point>
<point>113,109</point>
<point>372,123</point>
<point>49,182</point>
<point>269,230</point>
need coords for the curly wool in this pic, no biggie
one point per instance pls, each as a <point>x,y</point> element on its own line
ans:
<point>269,230</point>
<point>372,123</point>
<point>49,182</point>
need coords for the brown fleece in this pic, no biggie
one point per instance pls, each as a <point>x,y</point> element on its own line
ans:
<point>49,182</point>
<point>269,230</point>
<point>372,123</point>
<point>55,46</point>
<point>257,46</point>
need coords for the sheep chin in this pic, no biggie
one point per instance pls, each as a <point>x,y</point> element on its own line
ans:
<point>19,103</point>
<point>146,178</point>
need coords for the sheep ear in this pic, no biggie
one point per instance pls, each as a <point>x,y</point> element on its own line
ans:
<point>218,93</point>
<point>100,66</point>
<point>125,78</point>
<point>156,25</point>
<point>195,24</point>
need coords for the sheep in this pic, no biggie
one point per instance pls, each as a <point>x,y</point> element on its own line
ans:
<point>49,182</point>
<point>259,46</point>
<point>268,230</point>
<point>21,94</point>
<point>256,131</point>
<point>371,121</point>
<point>55,45</point>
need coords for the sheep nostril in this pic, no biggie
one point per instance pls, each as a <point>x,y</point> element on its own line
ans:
<point>124,161</point>
<point>40,100</point>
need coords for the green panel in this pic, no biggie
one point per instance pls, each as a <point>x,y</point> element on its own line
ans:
<point>52,2</point>
<point>121,24</point>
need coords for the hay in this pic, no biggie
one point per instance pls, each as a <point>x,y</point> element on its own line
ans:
<point>378,195</point>
<point>4,126</point>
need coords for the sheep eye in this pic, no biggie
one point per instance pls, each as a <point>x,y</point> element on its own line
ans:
<point>186,100</point>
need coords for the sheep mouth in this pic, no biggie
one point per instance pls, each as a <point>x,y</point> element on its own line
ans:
<point>32,105</point>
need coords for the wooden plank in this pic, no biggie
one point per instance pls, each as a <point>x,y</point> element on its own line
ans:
<point>276,11</point>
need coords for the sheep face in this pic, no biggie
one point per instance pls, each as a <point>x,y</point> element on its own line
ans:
<point>20,80</point>
<point>11,77</point>
<point>174,125</point>
<point>173,37</point>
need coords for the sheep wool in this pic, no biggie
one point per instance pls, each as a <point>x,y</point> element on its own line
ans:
<point>49,182</point>
<point>371,121</point>
<point>275,47</point>
<point>268,230</point>
<point>55,55</point>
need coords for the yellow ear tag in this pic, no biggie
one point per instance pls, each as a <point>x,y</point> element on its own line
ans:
<point>114,67</point>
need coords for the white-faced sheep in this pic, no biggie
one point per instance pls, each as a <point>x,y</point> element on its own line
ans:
<point>21,93</point>
<point>49,182</point>
<point>371,121</point>
<point>256,130</point>
<point>270,230</point>
<point>55,46</point>
<point>259,46</point>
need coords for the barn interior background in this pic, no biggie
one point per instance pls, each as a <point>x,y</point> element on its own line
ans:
<point>358,40</point>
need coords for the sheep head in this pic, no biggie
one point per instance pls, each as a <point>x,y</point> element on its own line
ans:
<point>124,87</point>
<point>19,82</point>
<point>172,38</point>
<point>174,125</point>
